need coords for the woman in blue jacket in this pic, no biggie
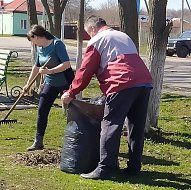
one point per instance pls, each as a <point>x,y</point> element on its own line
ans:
<point>48,46</point>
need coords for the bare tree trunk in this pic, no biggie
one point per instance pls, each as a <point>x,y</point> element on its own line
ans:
<point>129,19</point>
<point>158,36</point>
<point>47,9</point>
<point>80,38</point>
<point>31,6</point>
<point>32,12</point>
<point>57,18</point>
<point>58,9</point>
<point>80,30</point>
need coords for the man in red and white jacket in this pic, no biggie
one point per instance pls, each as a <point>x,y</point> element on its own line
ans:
<point>126,82</point>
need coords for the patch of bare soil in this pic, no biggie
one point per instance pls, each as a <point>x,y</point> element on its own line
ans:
<point>40,158</point>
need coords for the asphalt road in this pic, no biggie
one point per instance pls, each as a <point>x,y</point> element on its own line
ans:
<point>177,77</point>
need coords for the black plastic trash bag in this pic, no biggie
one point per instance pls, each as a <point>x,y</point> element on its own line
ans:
<point>80,152</point>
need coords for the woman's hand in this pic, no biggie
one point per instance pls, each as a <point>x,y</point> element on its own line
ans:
<point>26,89</point>
<point>45,71</point>
<point>42,85</point>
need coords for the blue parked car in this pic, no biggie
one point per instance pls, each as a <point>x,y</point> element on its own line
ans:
<point>180,46</point>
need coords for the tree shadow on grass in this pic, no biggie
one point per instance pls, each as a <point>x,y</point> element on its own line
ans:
<point>34,100</point>
<point>158,179</point>
<point>160,137</point>
<point>186,135</point>
<point>152,160</point>
<point>172,97</point>
<point>16,71</point>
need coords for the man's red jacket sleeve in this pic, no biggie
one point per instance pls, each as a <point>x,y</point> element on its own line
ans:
<point>89,67</point>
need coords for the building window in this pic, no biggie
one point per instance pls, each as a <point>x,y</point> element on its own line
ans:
<point>24,24</point>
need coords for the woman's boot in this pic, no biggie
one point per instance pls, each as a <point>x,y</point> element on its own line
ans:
<point>37,145</point>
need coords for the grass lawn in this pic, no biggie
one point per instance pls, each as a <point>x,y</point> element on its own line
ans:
<point>166,157</point>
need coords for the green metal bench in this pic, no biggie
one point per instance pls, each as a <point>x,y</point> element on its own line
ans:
<point>5,56</point>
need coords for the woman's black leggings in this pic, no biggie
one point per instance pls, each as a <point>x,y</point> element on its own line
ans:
<point>47,98</point>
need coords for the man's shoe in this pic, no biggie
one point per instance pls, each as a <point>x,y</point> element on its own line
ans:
<point>130,172</point>
<point>92,175</point>
<point>96,175</point>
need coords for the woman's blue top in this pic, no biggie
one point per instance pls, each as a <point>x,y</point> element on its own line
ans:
<point>57,51</point>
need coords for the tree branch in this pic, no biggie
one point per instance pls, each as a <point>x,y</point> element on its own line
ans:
<point>47,8</point>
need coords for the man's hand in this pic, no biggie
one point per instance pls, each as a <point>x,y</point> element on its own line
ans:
<point>66,98</point>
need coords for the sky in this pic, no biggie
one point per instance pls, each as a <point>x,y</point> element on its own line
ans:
<point>172,4</point>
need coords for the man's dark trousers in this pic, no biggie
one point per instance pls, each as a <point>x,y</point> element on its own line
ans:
<point>131,103</point>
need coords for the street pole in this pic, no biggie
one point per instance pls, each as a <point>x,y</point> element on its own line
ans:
<point>43,18</point>
<point>140,30</point>
<point>62,26</point>
<point>2,8</point>
<point>107,4</point>
<point>182,18</point>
